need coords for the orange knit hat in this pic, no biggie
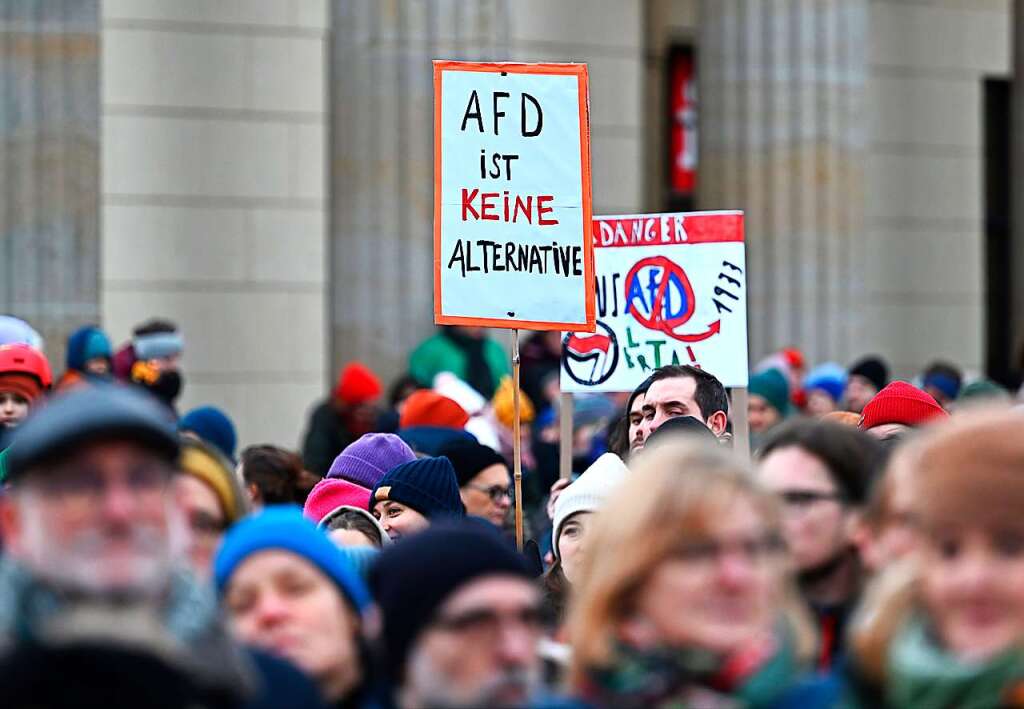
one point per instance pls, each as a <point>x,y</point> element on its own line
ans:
<point>428,408</point>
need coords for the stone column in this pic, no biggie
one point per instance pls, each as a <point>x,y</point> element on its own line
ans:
<point>49,194</point>
<point>782,137</point>
<point>1016,320</point>
<point>381,164</point>
<point>214,197</point>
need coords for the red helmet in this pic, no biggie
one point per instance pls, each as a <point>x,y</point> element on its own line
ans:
<point>25,359</point>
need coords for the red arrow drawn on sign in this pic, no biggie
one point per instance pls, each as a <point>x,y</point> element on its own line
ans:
<point>713,329</point>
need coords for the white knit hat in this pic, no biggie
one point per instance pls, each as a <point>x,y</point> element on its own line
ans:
<point>588,492</point>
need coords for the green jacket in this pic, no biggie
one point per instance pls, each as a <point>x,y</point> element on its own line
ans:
<point>3,466</point>
<point>439,354</point>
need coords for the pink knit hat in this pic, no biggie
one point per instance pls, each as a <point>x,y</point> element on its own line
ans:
<point>331,493</point>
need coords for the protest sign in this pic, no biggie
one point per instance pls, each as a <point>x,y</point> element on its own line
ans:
<point>671,289</point>
<point>512,210</point>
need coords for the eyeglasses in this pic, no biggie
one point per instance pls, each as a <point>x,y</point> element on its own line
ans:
<point>495,492</point>
<point>206,525</point>
<point>486,624</point>
<point>88,485</point>
<point>755,549</point>
<point>802,499</point>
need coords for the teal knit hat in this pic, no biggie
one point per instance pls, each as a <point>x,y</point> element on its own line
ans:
<point>771,385</point>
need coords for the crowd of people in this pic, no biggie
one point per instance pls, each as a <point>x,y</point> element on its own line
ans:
<point>870,554</point>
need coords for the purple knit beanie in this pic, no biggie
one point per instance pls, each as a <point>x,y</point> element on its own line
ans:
<point>365,461</point>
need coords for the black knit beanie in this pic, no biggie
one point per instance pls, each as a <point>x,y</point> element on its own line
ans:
<point>873,369</point>
<point>470,459</point>
<point>412,579</point>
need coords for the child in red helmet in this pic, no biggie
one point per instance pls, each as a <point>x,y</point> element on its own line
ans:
<point>24,377</point>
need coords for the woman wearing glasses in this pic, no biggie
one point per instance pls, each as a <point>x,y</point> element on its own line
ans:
<point>484,480</point>
<point>686,604</point>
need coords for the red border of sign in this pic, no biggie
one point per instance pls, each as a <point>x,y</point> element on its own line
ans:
<point>580,72</point>
<point>710,227</point>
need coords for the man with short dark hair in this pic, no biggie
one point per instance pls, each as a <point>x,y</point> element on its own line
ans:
<point>682,390</point>
<point>822,472</point>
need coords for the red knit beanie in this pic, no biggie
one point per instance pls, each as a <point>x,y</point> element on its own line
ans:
<point>900,402</point>
<point>25,386</point>
<point>357,385</point>
<point>428,408</point>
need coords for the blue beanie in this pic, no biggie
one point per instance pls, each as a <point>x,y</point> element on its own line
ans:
<point>87,343</point>
<point>283,527</point>
<point>213,426</point>
<point>427,485</point>
<point>829,378</point>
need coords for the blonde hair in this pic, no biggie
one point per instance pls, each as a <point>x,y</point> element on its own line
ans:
<point>675,493</point>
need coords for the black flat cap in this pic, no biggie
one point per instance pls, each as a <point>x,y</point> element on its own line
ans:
<point>688,426</point>
<point>88,414</point>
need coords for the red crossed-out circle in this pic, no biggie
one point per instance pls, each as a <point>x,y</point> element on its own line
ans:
<point>655,320</point>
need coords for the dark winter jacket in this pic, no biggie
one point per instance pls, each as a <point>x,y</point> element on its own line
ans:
<point>326,437</point>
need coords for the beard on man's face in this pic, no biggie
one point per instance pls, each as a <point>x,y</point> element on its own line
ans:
<point>130,559</point>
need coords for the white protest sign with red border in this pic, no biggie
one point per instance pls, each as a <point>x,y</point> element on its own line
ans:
<point>671,289</point>
<point>512,196</point>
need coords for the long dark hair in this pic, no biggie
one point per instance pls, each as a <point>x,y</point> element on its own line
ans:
<point>556,590</point>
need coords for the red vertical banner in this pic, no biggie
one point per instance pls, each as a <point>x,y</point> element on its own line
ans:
<point>683,107</point>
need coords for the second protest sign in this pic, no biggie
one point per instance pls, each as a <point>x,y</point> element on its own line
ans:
<point>512,208</point>
<point>671,289</point>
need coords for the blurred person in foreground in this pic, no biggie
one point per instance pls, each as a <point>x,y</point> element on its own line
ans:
<point>686,604</point>
<point>461,620</point>
<point>94,533</point>
<point>212,500</point>
<point>289,591</point>
<point>887,531</point>
<point>24,379</point>
<point>947,629</point>
<point>821,472</point>
<point>349,412</point>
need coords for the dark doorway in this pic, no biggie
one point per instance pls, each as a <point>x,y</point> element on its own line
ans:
<point>999,358</point>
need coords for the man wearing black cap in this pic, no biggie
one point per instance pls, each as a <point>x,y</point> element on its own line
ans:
<point>461,619</point>
<point>94,533</point>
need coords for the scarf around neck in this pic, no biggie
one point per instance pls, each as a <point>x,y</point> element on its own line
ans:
<point>919,673</point>
<point>690,678</point>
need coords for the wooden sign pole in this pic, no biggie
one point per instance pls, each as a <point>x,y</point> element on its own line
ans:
<point>740,427</point>
<point>565,412</point>
<point>517,454</point>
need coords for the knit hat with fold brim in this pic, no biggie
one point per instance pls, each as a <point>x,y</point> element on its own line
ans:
<point>903,403</point>
<point>588,493</point>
